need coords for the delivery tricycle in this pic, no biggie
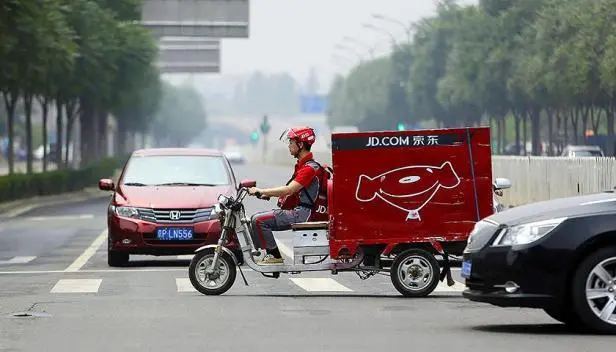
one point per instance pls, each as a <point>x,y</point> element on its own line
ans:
<point>397,201</point>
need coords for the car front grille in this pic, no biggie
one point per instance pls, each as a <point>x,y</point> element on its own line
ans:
<point>174,216</point>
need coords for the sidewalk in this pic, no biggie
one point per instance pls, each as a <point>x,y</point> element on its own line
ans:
<point>20,167</point>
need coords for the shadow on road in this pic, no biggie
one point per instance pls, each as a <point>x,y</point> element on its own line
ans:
<point>157,263</point>
<point>533,329</point>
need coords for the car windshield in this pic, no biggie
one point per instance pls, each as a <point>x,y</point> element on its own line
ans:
<point>176,170</point>
<point>587,153</point>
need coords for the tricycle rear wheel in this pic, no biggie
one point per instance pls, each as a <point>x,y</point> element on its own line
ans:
<point>415,273</point>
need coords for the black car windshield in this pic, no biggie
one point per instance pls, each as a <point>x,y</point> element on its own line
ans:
<point>190,170</point>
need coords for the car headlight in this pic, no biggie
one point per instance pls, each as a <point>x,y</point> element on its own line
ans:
<point>478,226</point>
<point>215,214</point>
<point>527,233</point>
<point>128,212</point>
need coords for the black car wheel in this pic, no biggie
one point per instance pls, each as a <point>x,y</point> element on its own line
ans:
<point>594,290</point>
<point>116,258</point>
<point>566,315</point>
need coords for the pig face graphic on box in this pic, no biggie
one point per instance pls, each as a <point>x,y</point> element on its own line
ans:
<point>411,184</point>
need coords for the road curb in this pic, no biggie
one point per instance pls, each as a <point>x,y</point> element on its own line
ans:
<point>15,208</point>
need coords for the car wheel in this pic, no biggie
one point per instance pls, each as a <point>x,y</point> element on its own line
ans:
<point>415,273</point>
<point>117,258</point>
<point>566,315</point>
<point>594,290</point>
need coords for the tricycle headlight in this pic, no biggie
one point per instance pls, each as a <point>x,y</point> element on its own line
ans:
<point>128,212</point>
<point>215,214</point>
<point>527,233</point>
<point>222,199</point>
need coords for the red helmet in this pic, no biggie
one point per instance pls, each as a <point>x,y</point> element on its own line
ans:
<point>301,134</point>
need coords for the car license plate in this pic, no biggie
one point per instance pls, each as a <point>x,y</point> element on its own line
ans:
<point>466,269</point>
<point>174,233</point>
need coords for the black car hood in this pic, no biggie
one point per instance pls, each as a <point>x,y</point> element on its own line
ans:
<point>555,208</point>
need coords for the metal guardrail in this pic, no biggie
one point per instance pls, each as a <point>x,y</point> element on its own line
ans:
<point>536,178</point>
<point>533,178</point>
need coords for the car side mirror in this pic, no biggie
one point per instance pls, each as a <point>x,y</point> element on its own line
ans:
<point>105,184</point>
<point>248,184</point>
<point>502,183</point>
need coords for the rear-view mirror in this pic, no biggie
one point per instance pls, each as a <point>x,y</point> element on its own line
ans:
<point>248,183</point>
<point>105,184</point>
<point>502,183</point>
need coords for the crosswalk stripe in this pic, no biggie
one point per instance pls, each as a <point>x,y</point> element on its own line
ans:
<point>77,286</point>
<point>18,260</point>
<point>442,287</point>
<point>185,257</point>
<point>321,284</point>
<point>183,285</point>
<point>61,217</point>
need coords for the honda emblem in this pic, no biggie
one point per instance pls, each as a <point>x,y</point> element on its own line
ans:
<point>174,215</point>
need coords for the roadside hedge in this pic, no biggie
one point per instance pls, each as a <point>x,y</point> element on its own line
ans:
<point>21,186</point>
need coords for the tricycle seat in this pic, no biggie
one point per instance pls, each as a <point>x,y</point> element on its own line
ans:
<point>313,225</point>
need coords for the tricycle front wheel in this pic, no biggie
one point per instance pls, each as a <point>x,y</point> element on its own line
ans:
<point>216,283</point>
<point>415,273</point>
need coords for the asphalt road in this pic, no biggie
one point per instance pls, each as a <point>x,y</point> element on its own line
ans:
<point>53,266</point>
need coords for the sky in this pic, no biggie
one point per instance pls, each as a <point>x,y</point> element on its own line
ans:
<point>295,35</point>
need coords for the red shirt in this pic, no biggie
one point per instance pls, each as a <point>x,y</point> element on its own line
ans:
<point>304,174</point>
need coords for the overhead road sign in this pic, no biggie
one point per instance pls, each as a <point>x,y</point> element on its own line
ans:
<point>190,67</point>
<point>313,104</point>
<point>189,55</point>
<point>188,41</point>
<point>200,18</point>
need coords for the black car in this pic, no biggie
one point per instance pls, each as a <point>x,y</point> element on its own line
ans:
<point>557,255</point>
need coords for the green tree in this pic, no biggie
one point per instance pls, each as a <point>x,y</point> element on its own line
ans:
<point>181,117</point>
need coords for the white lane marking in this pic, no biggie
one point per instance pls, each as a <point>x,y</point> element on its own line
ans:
<point>17,260</point>
<point>599,201</point>
<point>77,286</point>
<point>184,285</point>
<point>185,257</point>
<point>316,284</point>
<point>457,287</point>
<point>61,217</point>
<point>88,253</point>
<point>19,211</point>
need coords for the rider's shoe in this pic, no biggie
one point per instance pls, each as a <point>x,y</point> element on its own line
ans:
<point>270,259</point>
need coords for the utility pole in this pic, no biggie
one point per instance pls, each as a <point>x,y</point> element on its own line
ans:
<point>265,128</point>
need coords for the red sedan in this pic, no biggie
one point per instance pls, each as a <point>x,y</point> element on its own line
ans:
<point>163,201</point>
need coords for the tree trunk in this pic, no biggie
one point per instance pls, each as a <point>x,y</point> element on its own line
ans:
<point>102,134</point>
<point>535,130</point>
<point>550,114</point>
<point>10,101</point>
<point>28,110</point>
<point>45,107</point>
<point>59,132</point>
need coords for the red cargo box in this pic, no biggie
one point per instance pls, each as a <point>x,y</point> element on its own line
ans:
<point>410,186</point>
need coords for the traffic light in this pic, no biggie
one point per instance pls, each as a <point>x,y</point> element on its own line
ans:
<point>265,126</point>
<point>401,127</point>
<point>254,137</point>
